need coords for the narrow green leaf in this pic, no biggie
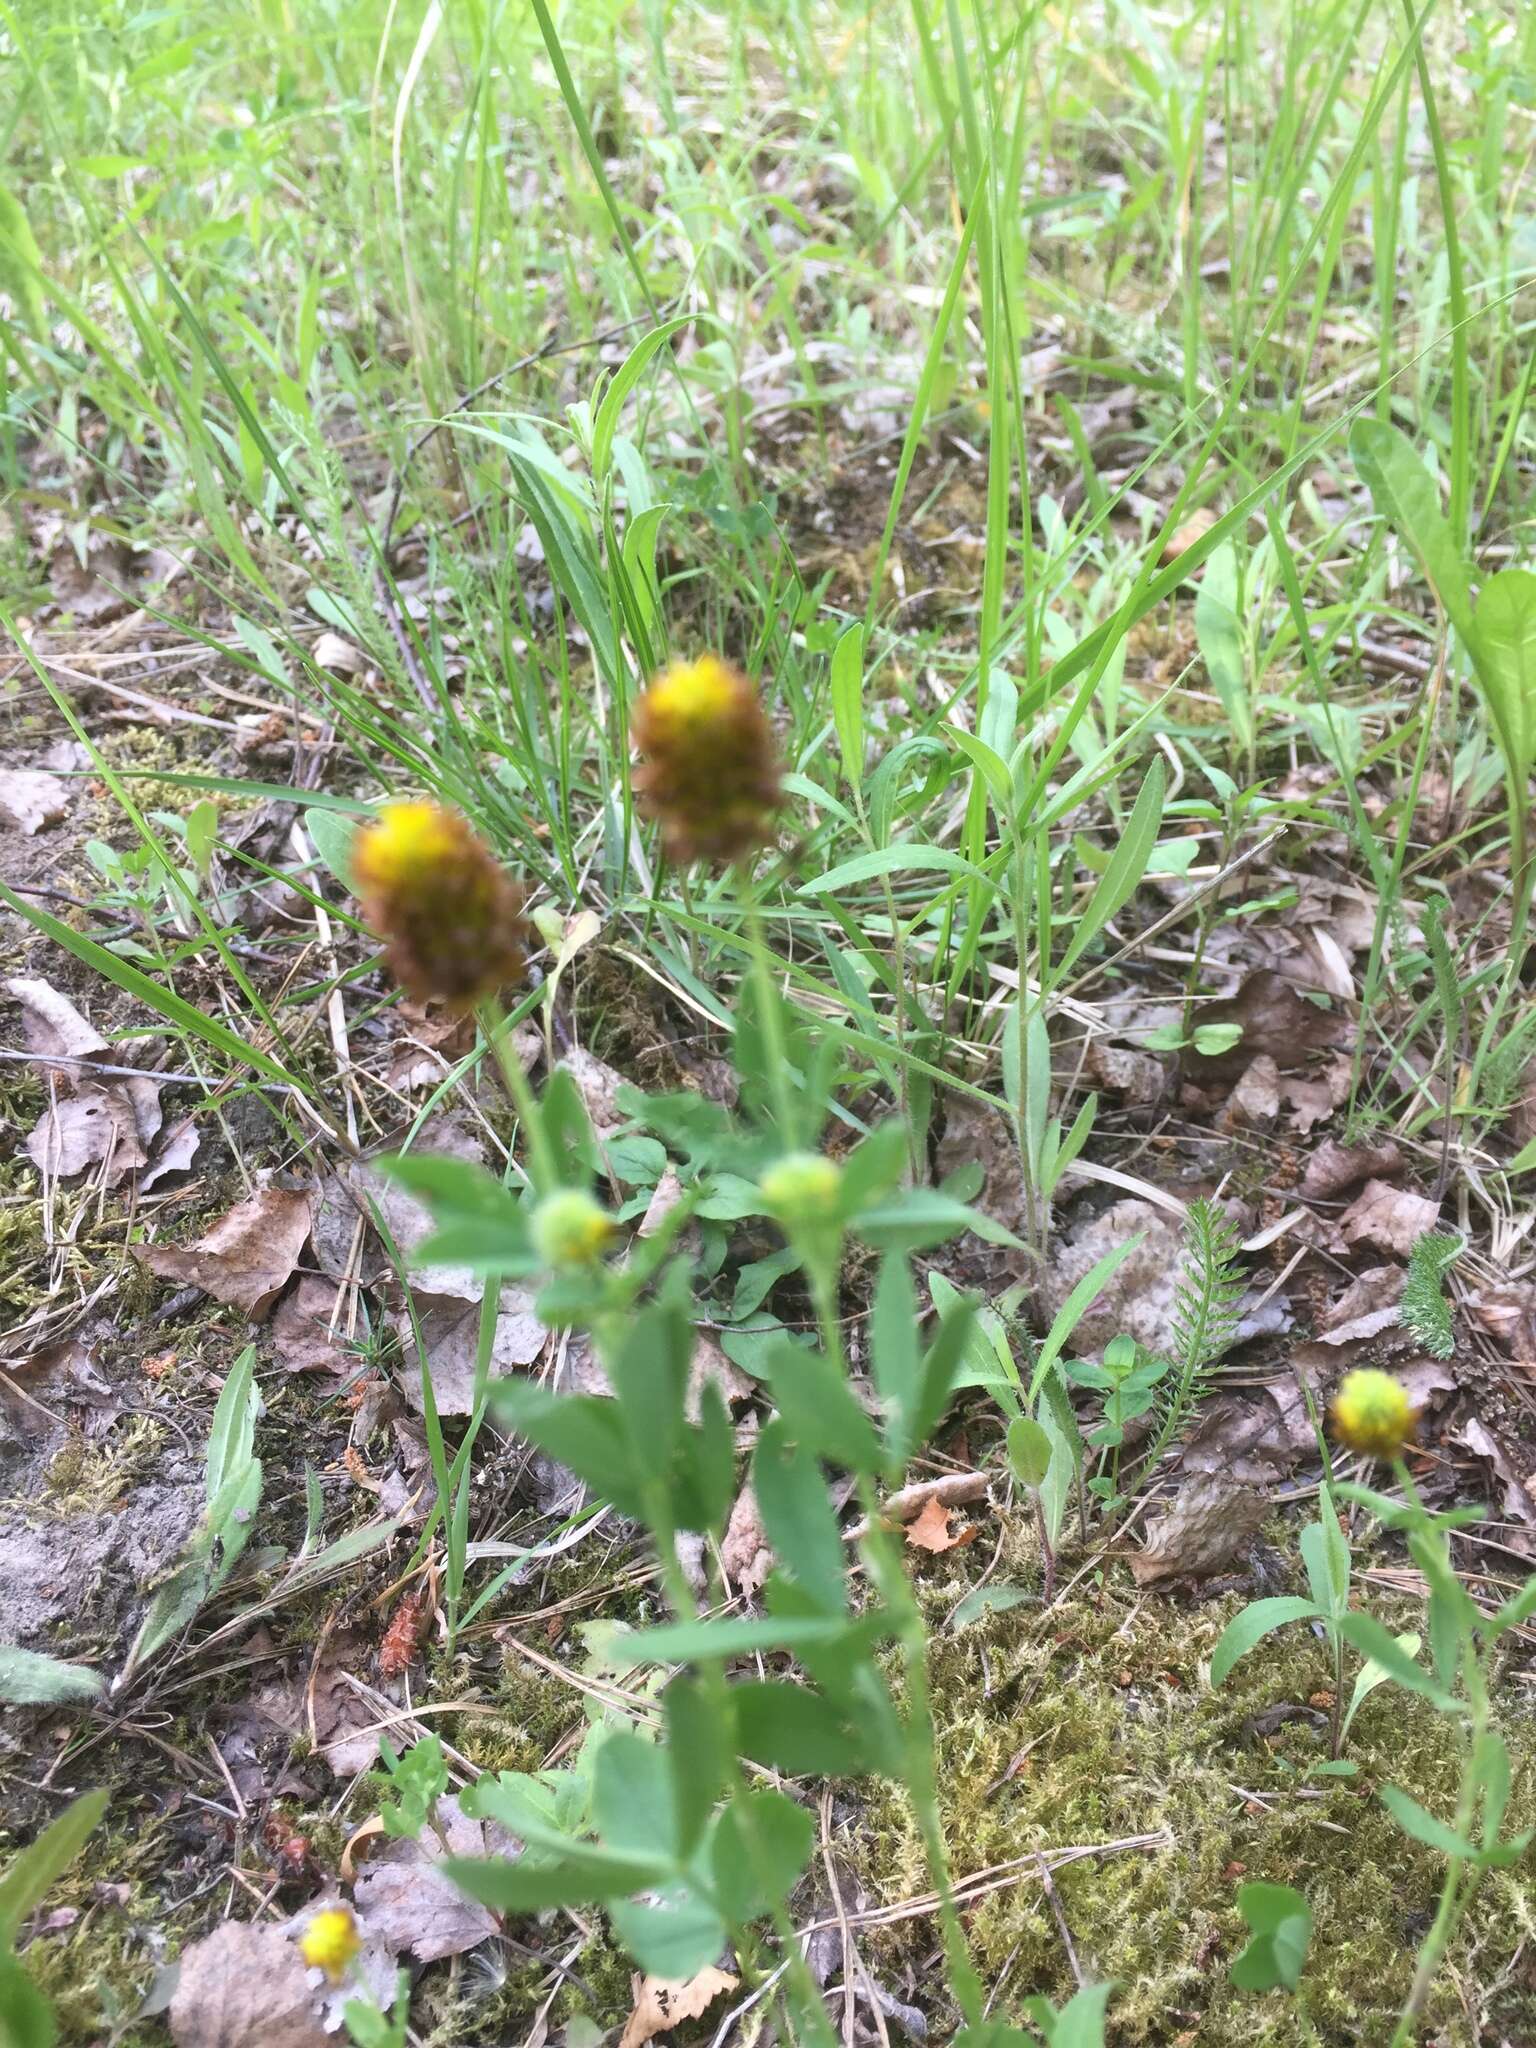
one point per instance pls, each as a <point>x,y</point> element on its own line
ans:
<point>1246,1630</point>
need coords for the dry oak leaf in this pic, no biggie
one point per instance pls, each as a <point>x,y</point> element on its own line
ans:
<point>1208,1528</point>
<point>1334,1167</point>
<point>31,799</point>
<point>247,1258</point>
<point>1393,1219</point>
<point>930,1530</point>
<point>245,1986</point>
<point>660,2002</point>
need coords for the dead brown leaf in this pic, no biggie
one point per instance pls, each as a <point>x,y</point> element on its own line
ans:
<point>1393,1219</point>
<point>31,798</point>
<point>450,1328</point>
<point>1250,1439</point>
<point>1254,1103</point>
<point>660,2002</point>
<point>1275,1018</point>
<point>111,1123</point>
<point>1317,1094</point>
<point>1334,1167</point>
<point>1142,1294</point>
<point>1140,1077</point>
<point>245,1986</point>
<point>50,1022</point>
<point>407,1904</point>
<point>247,1258</point>
<point>599,1085</point>
<point>930,1530</point>
<point>303,1338</point>
<point>745,1556</point>
<point>1209,1527</point>
<point>1508,1314</point>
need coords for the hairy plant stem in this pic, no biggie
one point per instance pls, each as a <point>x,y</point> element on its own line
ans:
<point>1459,1883</point>
<point>887,1575</point>
<point>805,1999</point>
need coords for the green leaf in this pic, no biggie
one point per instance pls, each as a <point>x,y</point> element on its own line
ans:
<point>29,1679</point>
<point>1325,1553</point>
<point>583,1873</point>
<point>35,1869</point>
<point>1246,1630</point>
<point>584,1431</point>
<point>762,1842</point>
<point>21,264</point>
<point>895,1354</point>
<point>1281,1921</point>
<point>819,1409</point>
<point>698,1758</point>
<point>905,858</point>
<point>26,2015</point>
<point>1220,640</point>
<point>1075,1307</point>
<point>1506,631</point>
<point>993,1599</point>
<point>920,1217</point>
<point>1128,864</point>
<point>1029,1451</point>
<point>632,1803</point>
<point>334,835</point>
<point>941,1369</point>
<point>1365,1634</point>
<point>683,1642</point>
<point>605,426</point>
<point>789,1728</point>
<point>1405,494</point>
<point>1370,1676</point>
<point>1419,1822</point>
<point>848,702</point>
<point>674,1936</point>
<point>797,1517</point>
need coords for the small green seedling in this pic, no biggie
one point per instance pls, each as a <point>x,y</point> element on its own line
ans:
<point>417,1780</point>
<point>1281,1924</point>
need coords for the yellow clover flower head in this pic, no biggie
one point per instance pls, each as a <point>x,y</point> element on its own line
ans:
<point>803,1188</point>
<point>449,914</point>
<point>570,1229</point>
<point>330,1941</point>
<point>1372,1414</point>
<point>710,771</point>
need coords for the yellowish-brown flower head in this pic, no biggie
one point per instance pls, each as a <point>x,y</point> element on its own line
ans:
<point>330,1941</point>
<point>711,769</point>
<point>1372,1414</point>
<point>570,1229</point>
<point>449,914</point>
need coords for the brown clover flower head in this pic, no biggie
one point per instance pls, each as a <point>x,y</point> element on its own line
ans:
<point>449,914</point>
<point>711,769</point>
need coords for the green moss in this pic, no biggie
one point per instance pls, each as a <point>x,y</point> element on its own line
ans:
<point>1092,1725</point>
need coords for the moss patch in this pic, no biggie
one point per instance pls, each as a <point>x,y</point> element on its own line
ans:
<point>1094,1723</point>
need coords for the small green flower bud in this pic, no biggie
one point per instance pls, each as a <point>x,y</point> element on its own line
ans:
<point>570,1229</point>
<point>803,1189</point>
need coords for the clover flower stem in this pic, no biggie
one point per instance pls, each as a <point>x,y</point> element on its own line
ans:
<point>888,1576</point>
<point>685,890</point>
<point>805,1998</point>
<point>768,1005</point>
<point>1459,1883</point>
<point>544,1167</point>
